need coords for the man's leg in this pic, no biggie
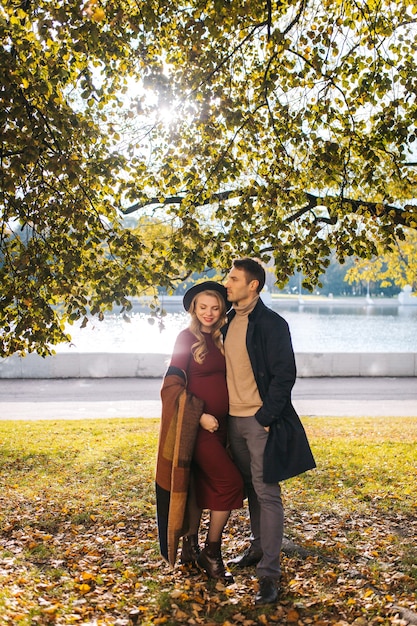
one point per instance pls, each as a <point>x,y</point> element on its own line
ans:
<point>241,456</point>
<point>271,512</point>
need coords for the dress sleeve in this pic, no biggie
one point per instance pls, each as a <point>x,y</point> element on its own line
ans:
<point>182,351</point>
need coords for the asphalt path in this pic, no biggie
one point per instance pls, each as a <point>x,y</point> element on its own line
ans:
<point>86,398</point>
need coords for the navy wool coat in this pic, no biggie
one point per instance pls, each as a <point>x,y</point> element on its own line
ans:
<point>268,341</point>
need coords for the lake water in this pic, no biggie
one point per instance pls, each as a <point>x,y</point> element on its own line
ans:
<point>315,327</point>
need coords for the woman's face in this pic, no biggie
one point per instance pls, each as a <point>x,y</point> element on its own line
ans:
<point>208,311</point>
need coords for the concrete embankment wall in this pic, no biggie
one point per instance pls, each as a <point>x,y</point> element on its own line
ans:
<point>130,365</point>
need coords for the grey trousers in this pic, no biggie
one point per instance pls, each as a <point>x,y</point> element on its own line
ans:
<point>247,442</point>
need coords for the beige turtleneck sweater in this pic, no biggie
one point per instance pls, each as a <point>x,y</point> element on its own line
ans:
<point>244,398</point>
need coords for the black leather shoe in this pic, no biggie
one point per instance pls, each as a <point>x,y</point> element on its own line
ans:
<point>247,559</point>
<point>268,591</point>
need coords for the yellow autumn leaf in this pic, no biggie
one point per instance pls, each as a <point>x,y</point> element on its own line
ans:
<point>98,15</point>
<point>50,610</point>
<point>292,616</point>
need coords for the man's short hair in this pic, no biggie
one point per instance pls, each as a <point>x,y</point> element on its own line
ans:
<point>253,271</point>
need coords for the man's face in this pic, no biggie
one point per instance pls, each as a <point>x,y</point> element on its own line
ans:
<point>239,291</point>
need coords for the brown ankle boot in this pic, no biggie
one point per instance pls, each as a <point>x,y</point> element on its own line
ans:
<point>190,550</point>
<point>211,561</point>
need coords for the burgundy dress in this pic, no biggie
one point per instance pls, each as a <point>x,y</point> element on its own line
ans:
<point>219,485</point>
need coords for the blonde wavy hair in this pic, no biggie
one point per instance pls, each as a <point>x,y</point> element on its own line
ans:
<point>199,348</point>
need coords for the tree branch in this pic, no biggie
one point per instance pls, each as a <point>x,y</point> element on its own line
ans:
<point>229,55</point>
<point>357,206</point>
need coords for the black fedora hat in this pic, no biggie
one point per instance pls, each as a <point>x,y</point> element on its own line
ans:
<point>208,285</point>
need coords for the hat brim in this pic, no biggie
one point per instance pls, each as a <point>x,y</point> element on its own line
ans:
<point>208,285</point>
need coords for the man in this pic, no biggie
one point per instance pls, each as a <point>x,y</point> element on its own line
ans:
<point>267,439</point>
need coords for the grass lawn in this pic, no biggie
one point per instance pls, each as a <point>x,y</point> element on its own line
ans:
<point>78,541</point>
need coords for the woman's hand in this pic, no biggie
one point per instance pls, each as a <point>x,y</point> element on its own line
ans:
<point>209,422</point>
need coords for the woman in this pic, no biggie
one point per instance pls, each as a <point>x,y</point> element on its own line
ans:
<point>215,482</point>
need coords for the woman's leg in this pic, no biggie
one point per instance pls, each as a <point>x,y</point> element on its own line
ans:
<point>210,558</point>
<point>190,546</point>
<point>218,520</point>
<point>193,510</point>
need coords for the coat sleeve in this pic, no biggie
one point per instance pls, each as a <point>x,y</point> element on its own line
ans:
<point>276,371</point>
